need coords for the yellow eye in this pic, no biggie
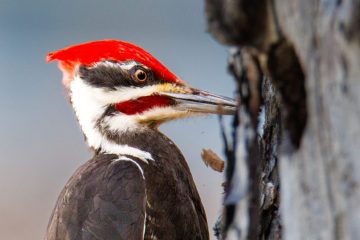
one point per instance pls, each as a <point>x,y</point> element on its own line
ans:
<point>140,75</point>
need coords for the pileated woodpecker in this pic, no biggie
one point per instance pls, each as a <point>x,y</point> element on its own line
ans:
<point>138,184</point>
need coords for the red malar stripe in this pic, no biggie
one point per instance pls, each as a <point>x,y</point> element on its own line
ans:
<point>143,104</point>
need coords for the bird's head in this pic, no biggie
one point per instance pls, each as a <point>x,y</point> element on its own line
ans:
<point>117,87</point>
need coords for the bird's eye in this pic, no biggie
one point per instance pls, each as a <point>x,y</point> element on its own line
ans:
<point>140,75</point>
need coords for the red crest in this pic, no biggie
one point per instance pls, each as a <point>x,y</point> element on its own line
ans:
<point>91,52</point>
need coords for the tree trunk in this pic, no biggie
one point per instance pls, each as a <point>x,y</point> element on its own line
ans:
<point>293,170</point>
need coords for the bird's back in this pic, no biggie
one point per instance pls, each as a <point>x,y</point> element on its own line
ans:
<point>123,197</point>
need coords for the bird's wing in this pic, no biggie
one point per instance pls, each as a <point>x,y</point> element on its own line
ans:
<point>101,201</point>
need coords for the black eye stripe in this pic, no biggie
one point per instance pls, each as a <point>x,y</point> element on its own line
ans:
<point>105,76</point>
<point>111,75</point>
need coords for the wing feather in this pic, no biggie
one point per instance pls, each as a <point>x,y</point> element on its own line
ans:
<point>104,199</point>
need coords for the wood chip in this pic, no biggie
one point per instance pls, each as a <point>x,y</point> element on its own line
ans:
<point>213,160</point>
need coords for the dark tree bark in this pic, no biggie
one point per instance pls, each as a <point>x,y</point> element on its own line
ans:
<point>293,170</point>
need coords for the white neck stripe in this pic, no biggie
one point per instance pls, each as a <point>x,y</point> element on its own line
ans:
<point>112,148</point>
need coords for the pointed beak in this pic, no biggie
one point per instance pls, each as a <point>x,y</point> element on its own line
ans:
<point>198,101</point>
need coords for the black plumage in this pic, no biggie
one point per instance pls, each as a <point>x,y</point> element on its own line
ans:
<point>111,76</point>
<point>108,198</point>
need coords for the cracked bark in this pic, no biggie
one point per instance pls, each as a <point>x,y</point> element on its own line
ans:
<point>293,172</point>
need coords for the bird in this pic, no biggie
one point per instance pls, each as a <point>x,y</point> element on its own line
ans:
<point>138,184</point>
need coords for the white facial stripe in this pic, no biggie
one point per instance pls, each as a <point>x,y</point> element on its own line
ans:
<point>162,114</point>
<point>123,122</point>
<point>121,94</point>
<point>88,110</point>
<point>123,65</point>
<point>107,64</point>
<point>129,65</point>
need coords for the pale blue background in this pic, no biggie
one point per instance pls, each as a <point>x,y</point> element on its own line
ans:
<point>40,141</point>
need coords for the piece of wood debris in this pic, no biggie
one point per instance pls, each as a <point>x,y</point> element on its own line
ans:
<point>213,160</point>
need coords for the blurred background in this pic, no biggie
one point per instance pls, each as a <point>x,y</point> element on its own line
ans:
<point>40,141</point>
